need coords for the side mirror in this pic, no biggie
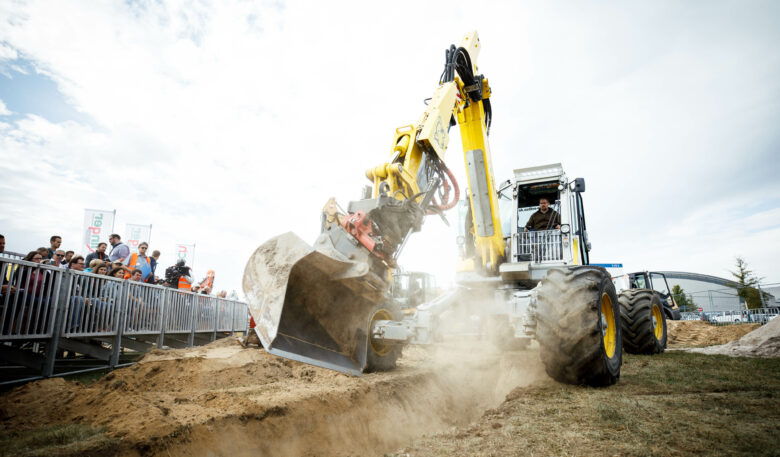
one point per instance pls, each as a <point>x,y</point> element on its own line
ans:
<point>579,185</point>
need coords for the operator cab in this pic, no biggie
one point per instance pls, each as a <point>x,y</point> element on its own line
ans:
<point>657,282</point>
<point>412,288</point>
<point>530,253</point>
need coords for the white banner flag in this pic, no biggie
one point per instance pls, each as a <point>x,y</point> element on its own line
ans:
<point>136,234</point>
<point>98,225</point>
<point>186,252</point>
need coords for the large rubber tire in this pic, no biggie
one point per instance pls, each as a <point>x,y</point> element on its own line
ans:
<point>578,326</point>
<point>643,320</point>
<point>383,357</point>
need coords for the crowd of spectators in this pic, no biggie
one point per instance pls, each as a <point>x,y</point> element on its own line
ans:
<point>119,262</point>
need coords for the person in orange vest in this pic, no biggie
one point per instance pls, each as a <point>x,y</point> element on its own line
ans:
<point>185,278</point>
<point>140,261</point>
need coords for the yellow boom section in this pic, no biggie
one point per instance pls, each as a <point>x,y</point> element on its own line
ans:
<point>488,237</point>
<point>452,99</point>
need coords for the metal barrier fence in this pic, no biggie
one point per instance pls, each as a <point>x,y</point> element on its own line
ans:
<point>46,310</point>
<point>540,246</point>
<point>11,255</point>
<point>748,316</point>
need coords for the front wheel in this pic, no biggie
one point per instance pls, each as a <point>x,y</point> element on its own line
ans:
<point>382,356</point>
<point>578,326</point>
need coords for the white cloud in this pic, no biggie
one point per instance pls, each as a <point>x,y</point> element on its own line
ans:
<point>225,124</point>
<point>4,111</point>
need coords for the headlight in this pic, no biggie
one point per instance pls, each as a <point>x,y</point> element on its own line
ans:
<point>460,241</point>
<point>565,228</point>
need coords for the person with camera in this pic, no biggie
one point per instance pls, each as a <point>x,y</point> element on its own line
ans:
<point>179,276</point>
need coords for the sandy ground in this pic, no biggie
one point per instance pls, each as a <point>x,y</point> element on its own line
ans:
<point>236,401</point>
<point>699,333</point>
<point>761,342</point>
<point>223,399</point>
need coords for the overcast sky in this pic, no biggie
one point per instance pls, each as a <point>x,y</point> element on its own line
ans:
<point>226,123</point>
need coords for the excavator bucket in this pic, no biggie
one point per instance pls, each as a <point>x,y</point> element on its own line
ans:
<point>312,304</point>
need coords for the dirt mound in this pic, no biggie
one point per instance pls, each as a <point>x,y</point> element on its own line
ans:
<point>235,401</point>
<point>699,333</point>
<point>761,342</point>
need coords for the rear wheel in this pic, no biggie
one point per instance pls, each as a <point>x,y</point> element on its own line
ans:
<point>643,321</point>
<point>382,356</point>
<point>578,326</point>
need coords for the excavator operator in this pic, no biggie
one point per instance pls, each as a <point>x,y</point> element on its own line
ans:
<point>545,218</point>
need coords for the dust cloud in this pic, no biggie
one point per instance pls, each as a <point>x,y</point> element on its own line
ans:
<point>433,390</point>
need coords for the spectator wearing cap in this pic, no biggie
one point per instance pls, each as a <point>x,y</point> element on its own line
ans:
<point>100,254</point>
<point>119,250</point>
<point>55,242</point>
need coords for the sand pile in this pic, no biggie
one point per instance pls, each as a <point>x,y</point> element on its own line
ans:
<point>227,400</point>
<point>762,342</point>
<point>699,333</point>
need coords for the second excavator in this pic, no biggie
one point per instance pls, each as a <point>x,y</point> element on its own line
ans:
<point>330,304</point>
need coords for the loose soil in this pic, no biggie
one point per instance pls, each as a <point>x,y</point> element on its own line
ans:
<point>227,400</point>
<point>699,333</point>
<point>454,399</point>
<point>762,342</point>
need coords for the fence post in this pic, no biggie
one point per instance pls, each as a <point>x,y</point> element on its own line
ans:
<point>60,305</point>
<point>193,317</point>
<point>233,317</point>
<point>164,296</point>
<point>120,314</point>
<point>218,303</point>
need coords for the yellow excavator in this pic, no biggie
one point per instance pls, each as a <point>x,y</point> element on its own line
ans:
<point>330,304</point>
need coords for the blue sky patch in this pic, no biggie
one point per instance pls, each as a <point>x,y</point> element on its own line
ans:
<point>30,92</point>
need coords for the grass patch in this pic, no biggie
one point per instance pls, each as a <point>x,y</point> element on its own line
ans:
<point>87,378</point>
<point>65,440</point>
<point>675,403</point>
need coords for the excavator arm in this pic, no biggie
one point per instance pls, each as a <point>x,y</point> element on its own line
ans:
<point>418,153</point>
<point>320,304</point>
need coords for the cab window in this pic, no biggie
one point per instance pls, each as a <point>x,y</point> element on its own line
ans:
<point>659,283</point>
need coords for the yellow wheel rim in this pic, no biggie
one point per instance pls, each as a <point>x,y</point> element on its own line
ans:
<point>658,326</point>
<point>608,330</point>
<point>379,348</point>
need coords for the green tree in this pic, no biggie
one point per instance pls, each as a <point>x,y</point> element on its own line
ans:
<point>746,285</point>
<point>685,303</point>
